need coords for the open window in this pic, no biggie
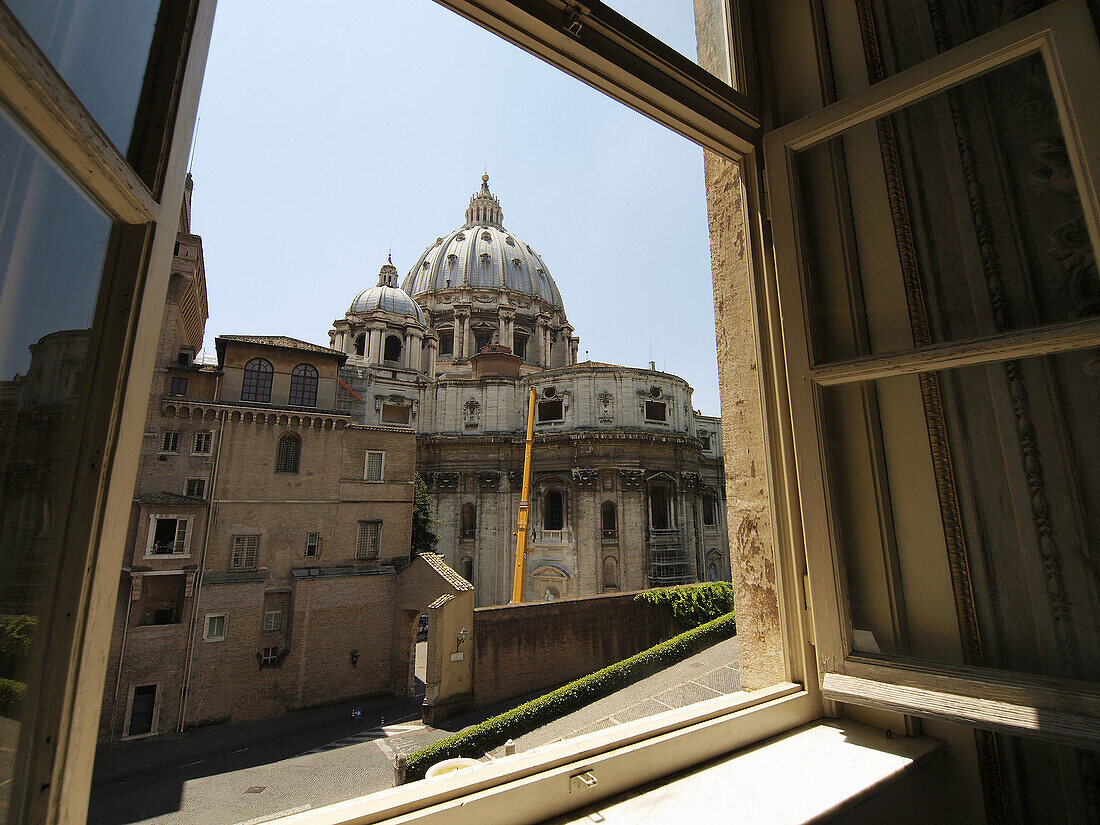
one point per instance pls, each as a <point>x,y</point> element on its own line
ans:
<point>930,235</point>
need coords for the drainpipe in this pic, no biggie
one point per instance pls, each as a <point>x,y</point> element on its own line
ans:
<point>189,656</point>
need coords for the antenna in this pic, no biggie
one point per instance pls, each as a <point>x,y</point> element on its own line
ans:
<point>194,143</point>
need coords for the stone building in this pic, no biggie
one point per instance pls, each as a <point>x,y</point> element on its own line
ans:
<point>627,479</point>
<point>268,563</point>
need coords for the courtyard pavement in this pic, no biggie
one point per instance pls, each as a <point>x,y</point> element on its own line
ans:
<point>251,772</point>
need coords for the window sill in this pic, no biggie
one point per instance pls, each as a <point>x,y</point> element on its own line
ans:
<point>149,556</point>
<point>533,786</point>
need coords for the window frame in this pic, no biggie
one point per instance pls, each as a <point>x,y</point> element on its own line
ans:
<point>149,540</point>
<point>233,549</point>
<point>195,439</point>
<point>305,384</point>
<point>361,539</point>
<point>187,485</point>
<point>167,436</point>
<point>381,467</point>
<point>313,539</point>
<point>207,636</point>
<point>274,609</point>
<point>1062,33</point>
<point>178,385</point>
<point>284,454</point>
<point>256,381</point>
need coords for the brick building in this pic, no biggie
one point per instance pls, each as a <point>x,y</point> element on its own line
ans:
<point>268,563</point>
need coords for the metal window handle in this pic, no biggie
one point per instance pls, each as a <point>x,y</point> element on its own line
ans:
<point>583,781</point>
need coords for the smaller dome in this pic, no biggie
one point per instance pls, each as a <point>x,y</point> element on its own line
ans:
<point>386,296</point>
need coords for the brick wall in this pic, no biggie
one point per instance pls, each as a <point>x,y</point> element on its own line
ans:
<point>520,649</point>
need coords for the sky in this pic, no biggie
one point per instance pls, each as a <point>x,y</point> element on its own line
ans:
<point>327,141</point>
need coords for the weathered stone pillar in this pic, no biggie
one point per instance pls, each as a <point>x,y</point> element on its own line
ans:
<point>467,338</point>
<point>433,349</point>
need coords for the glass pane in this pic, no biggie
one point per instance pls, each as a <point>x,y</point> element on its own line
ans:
<point>100,48</point>
<point>975,494</point>
<point>52,245</point>
<point>907,32</point>
<point>955,218</point>
<point>699,31</point>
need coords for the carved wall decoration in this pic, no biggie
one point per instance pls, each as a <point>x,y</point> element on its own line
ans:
<point>607,407</point>
<point>471,414</point>
<point>446,481</point>
<point>690,481</point>
<point>586,478</point>
<point>488,480</point>
<point>631,478</point>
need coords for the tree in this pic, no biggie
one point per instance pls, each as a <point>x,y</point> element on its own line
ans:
<point>423,539</point>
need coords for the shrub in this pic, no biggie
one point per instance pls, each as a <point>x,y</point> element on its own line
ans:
<point>693,605</point>
<point>477,739</point>
<point>11,697</point>
<point>15,641</point>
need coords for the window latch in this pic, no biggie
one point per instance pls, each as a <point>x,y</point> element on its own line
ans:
<point>582,781</point>
<point>573,13</point>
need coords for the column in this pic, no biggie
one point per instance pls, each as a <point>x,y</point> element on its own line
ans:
<point>433,348</point>
<point>544,344</point>
<point>455,339</point>
<point>407,352</point>
<point>574,345</point>
<point>467,342</point>
<point>502,332</point>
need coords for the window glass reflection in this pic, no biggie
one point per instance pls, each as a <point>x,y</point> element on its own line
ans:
<point>100,48</point>
<point>52,246</point>
<point>699,31</point>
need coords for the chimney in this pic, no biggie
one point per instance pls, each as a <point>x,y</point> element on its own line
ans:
<point>653,365</point>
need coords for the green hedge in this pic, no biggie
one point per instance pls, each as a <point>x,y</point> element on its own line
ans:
<point>478,739</point>
<point>11,697</point>
<point>693,605</point>
<point>16,633</point>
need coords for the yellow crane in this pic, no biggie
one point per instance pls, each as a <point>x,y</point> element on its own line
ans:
<point>521,531</point>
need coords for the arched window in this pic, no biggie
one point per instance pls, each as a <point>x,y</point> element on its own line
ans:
<point>257,381</point>
<point>467,570</point>
<point>288,454</point>
<point>393,348</point>
<point>303,386</point>
<point>469,522</point>
<point>553,512</point>
<point>608,520</point>
<point>361,344</point>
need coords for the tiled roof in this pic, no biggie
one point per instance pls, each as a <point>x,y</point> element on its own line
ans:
<point>280,341</point>
<point>443,569</point>
<point>163,498</point>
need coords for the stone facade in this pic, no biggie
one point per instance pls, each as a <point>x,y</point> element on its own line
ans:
<point>627,478</point>
<point>268,564</point>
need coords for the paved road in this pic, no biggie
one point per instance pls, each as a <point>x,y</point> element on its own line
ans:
<point>247,773</point>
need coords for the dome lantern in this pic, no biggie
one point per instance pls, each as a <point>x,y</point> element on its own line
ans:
<point>484,208</point>
<point>387,275</point>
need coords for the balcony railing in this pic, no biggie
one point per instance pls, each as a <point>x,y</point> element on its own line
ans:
<point>551,536</point>
<point>167,548</point>
<point>610,534</point>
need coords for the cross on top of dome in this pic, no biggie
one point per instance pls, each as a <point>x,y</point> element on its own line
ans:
<point>484,207</point>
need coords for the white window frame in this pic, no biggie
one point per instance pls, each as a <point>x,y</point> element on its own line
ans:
<point>165,437</point>
<point>274,610</point>
<point>207,636</point>
<point>153,519</point>
<point>187,484</point>
<point>1063,35</point>
<point>209,437</point>
<point>274,659</point>
<point>381,466</point>
<point>313,539</point>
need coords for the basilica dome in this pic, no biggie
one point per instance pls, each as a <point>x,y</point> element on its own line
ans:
<point>386,297</point>
<point>483,254</point>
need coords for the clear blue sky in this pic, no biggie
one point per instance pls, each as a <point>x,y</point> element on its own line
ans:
<point>328,138</point>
